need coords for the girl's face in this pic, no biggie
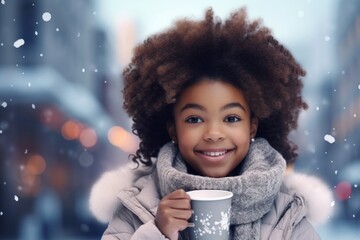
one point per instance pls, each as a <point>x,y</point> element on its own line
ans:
<point>212,127</point>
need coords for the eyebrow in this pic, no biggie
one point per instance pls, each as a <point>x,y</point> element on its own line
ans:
<point>233,105</point>
<point>193,106</point>
<point>201,108</point>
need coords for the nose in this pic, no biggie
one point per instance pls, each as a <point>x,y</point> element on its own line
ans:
<point>213,133</point>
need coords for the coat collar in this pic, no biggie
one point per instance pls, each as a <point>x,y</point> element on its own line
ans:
<point>104,199</point>
<point>142,199</point>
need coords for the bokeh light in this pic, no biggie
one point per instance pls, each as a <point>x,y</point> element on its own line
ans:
<point>88,137</point>
<point>86,159</point>
<point>36,165</point>
<point>122,139</point>
<point>343,190</point>
<point>71,130</point>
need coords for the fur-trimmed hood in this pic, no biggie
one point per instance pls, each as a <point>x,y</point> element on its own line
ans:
<point>103,200</point>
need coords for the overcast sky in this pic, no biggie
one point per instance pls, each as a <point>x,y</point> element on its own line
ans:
<point>290,21</point>
<point>305,26</point>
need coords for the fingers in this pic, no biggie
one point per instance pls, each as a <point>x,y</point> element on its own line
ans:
<point>178,199</point>
<point>178,194</point>
<point>180,204</point>
<point>176,208</point>
<point>172,227</point>
<point>173,213</point>
<point>180,214</point>
<point>178,224</point>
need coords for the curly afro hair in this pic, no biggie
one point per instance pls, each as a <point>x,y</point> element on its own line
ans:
<point>241,52</point>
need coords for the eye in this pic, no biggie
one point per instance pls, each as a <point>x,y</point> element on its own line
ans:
<point>232,119</point>
<point>193,120</point>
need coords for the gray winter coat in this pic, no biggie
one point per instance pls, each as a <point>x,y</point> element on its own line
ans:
<point>128,200</point>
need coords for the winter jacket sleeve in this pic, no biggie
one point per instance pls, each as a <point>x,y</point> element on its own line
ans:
<point>122,227</point>
<point>304,231</point>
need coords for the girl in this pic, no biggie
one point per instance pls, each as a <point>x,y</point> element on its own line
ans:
<point>212,103</point>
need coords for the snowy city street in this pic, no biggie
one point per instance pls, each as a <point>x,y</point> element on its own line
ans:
<point>62,123</point>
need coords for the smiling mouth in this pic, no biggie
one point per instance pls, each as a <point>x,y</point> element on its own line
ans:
<point>214,154</point>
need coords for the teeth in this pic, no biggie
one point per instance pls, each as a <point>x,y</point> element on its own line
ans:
<point>214,154</point>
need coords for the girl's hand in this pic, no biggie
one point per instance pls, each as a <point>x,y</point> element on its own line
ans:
<point>173,212</point>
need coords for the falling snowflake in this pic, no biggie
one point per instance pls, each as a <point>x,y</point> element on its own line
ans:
<point>33,106</point>
<point>332,203</point>
<point>46,16</point>
<point>329,138</point>
<point>1,213</point>
<point>3,2</point>
<point>1,131</point>
<point>4,104</point>
<point>359,86</point>
<point>327,38</point>
<point>16,198</point>
<point>18,43</point>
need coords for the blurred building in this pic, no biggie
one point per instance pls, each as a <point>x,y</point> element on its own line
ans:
<point>344,153</point>
<point>54,118</point>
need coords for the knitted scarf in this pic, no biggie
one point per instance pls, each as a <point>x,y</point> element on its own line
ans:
<point>254,189</point>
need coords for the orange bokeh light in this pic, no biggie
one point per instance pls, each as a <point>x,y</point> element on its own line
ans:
<point>71,130</point>
<point>36,165</point>
<point>88,137</point>
<point>122,139</point>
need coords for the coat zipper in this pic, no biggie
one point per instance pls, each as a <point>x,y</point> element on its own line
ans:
<point>282,214</point>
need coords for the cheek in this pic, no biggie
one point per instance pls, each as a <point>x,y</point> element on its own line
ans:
<point>186,144</point>
<point>186,137</point>
<point>241,134</point>
<point>184,132</point>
